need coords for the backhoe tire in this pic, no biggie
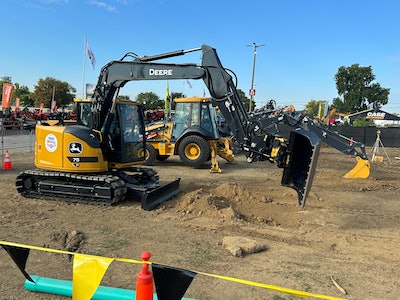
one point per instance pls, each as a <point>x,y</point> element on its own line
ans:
<point>150,154</point>
<point>194,151</point>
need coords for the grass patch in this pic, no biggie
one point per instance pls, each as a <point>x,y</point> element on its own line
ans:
<point>200,254</point>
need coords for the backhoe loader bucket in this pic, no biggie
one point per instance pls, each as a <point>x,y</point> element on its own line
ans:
<point>361,170</point>
<point>302,155</point>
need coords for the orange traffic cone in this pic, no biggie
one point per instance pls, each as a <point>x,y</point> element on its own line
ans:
<point>144,281</point>
<point>7,162</point>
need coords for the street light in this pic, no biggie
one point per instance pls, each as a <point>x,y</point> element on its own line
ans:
<point>252,91</point>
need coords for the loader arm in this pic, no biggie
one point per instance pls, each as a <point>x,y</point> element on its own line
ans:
<point>346,145</point>
<point>338,141</point>
<point>334,139</point>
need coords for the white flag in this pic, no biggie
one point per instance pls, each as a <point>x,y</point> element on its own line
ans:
<point>89,53</point>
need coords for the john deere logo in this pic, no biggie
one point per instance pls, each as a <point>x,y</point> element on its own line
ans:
<point>75,148</point>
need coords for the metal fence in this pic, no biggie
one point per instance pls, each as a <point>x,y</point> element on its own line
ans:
<point>17,139</point>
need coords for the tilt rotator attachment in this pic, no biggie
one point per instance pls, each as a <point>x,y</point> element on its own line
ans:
<point>301,161</point>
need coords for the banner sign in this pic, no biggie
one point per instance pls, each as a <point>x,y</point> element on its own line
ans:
<point>7,92</point>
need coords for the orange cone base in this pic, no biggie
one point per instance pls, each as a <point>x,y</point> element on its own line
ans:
<point>7,166</point>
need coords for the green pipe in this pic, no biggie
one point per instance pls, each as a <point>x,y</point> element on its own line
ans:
<point>64,288</point>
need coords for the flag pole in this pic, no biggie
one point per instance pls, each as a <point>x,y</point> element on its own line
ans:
<point>83,67</point>
<point>167,105</point>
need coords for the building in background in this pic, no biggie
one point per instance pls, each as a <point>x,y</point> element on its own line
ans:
<point>380,118</point>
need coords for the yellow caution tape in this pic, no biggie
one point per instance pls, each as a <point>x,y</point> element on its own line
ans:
<point>272,287</point>
<point>238,280</point>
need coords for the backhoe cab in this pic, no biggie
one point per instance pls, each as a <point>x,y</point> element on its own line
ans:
<point>192,133</point>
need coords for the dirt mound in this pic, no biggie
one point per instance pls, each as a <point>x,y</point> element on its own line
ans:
<point>237,203</point>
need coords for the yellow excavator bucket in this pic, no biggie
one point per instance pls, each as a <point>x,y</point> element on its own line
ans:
<point>361,170</point>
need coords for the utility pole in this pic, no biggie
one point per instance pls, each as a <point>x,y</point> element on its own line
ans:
<point>252,91</point>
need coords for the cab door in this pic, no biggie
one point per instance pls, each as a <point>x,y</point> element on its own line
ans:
<point>126,133</point>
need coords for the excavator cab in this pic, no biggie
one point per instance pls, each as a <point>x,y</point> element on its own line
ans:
<point>123,131</point>
<point>125,135</point>
<point>82,111</point>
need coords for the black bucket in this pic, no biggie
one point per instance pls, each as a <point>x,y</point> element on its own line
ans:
<point>299,169</point>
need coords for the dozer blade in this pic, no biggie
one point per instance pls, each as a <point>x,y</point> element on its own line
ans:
<point>153,198</point>
<point>361,170</point>
<point>302,155</point>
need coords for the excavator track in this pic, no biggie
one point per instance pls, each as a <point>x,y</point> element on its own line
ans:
<point>104,189</point>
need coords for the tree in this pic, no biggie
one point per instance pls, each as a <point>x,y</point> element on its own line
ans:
<point>124,98</point>
<point>245,100</point>
<point>22,92</point>
<point>354,85</point>
<point>362,122</point>
<point>174,95</point>
<point>43,93</point>
<point>313,107</point>
<point>151,100</point>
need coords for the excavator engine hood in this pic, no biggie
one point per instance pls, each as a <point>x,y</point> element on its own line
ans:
<point>301,161</point>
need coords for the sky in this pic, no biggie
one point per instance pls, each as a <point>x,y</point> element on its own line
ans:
<point>302,44</point>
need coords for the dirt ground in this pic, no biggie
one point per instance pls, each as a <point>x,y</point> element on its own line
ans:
<point>349,230</point>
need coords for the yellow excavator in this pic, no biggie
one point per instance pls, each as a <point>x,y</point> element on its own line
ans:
<point>97,159</point>
<point>192,133</point>
<point>81,163</point>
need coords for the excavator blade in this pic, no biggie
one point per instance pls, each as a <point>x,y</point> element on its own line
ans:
<point>299,169</point>
<point>153,198</point>
<point>361,170</point>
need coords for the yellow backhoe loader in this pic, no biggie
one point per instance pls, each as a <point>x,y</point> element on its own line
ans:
<point>192,133</point>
